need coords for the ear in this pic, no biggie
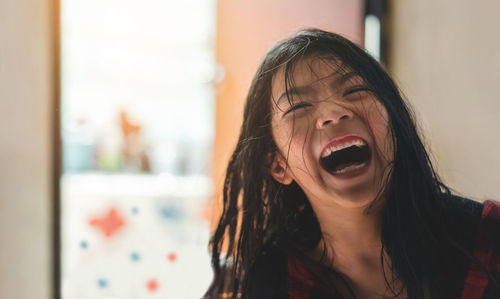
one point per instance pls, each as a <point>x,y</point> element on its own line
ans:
<point>280,171</point>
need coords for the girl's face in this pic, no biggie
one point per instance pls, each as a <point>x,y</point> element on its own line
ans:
<point>333,135</point>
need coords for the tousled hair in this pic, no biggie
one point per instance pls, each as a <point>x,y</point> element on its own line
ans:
<point>416,232</point>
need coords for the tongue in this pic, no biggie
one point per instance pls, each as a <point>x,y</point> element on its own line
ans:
<point>347,168</point>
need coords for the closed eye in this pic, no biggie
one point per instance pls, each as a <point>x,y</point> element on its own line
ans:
<point>355,90</point>
<point>296,107</point>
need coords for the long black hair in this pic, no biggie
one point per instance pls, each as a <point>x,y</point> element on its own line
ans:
<point>416,232</point>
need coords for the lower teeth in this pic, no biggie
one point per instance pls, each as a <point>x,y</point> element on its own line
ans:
<point>349,168</point>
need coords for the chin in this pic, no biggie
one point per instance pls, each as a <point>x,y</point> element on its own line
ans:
<point>356,198</point>
<point>358,191</point>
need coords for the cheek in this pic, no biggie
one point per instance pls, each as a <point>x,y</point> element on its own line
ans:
<point>291,141</point>
<point>378,122</point>
<point>290,135</point>
<point>281,135</point>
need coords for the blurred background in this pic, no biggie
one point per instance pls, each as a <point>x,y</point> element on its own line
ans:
<point>118,118</point>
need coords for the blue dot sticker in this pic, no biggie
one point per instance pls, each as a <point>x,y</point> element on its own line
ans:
<point>102,283</point>
<point>134,256</point>
<point>172,213</point>
<point>135,210</point>
<point>84,245</point>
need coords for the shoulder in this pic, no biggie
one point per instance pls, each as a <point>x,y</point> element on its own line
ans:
<point>491,210</point>
<point>463,207</point>
<point>478,283</point>
<point>474,216</point>
<point>267,278</point>
<point>464,215</point>
<point>489,228</point>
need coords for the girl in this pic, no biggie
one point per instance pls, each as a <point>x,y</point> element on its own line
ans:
<point>330,192</point>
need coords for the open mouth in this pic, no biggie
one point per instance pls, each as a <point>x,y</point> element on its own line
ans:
<point>346,157</point>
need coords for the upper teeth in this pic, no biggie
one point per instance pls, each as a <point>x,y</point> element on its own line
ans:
<point>330,149</point>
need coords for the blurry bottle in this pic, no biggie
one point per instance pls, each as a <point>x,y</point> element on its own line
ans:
<point>78,148</point>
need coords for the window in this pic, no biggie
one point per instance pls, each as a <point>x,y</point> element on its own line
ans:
<point>137,109</point>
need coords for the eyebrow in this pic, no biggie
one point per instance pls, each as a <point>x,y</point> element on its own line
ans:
<point>303,90</point>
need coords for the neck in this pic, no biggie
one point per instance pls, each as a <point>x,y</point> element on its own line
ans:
<point>352,242</point>
<point>350,233</point>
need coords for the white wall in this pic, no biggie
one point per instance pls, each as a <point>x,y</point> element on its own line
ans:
<point>25,158</point>
<point>446,58</point>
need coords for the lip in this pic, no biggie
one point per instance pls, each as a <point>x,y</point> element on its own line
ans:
<point>341,139</point>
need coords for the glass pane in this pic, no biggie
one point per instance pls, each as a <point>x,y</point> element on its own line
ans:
<point>137,115</point>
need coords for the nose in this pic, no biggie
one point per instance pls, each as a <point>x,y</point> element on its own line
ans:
<point>332,114</point>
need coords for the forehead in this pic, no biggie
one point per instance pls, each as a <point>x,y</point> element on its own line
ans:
<point>310,72</point>
<point>307,70</point>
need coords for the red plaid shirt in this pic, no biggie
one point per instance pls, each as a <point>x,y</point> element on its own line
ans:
<point>487,250</point>
<point>477,284</point>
